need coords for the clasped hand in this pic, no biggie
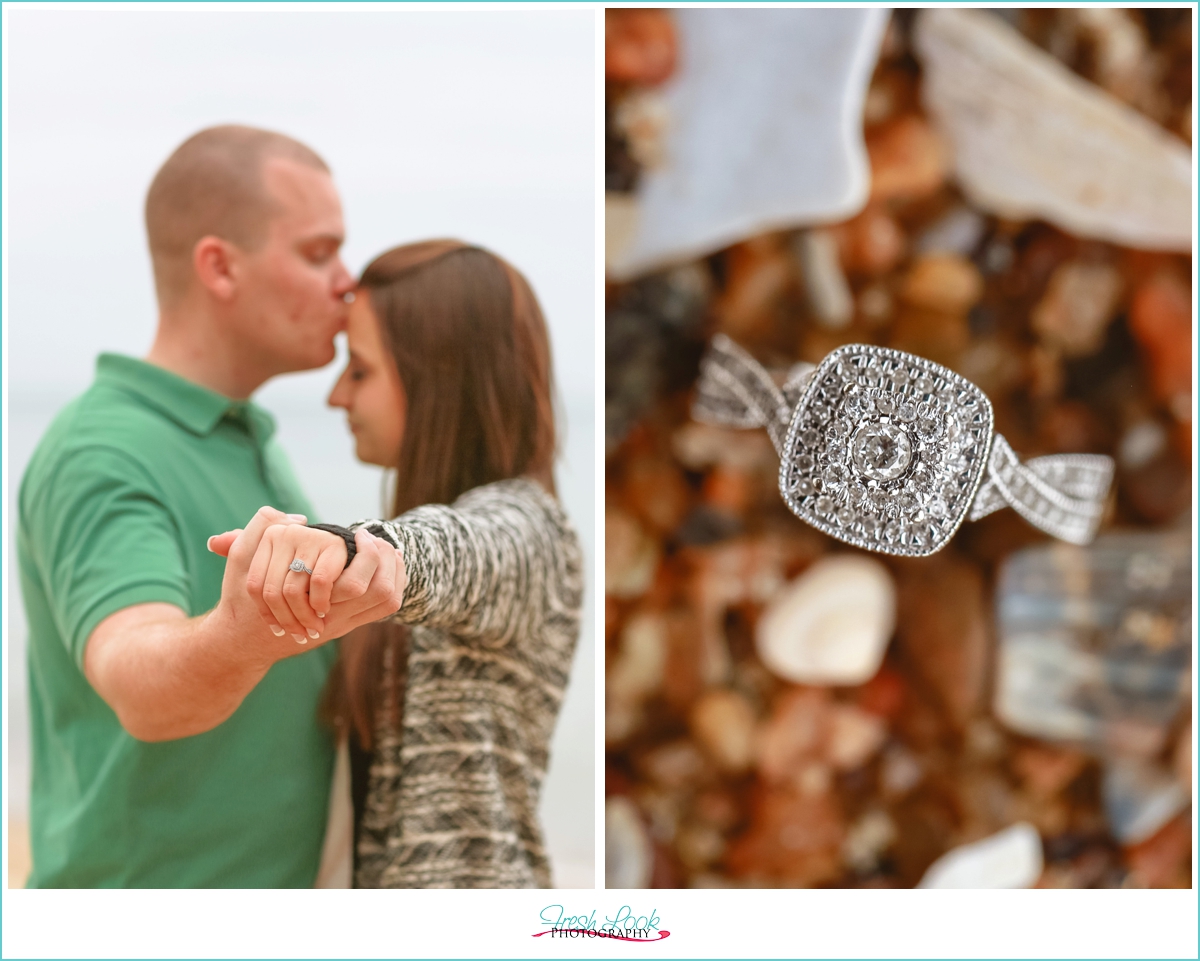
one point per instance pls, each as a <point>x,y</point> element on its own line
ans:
<point>332,600</point>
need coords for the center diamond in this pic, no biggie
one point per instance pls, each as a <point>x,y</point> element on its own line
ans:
<point>880,452</point>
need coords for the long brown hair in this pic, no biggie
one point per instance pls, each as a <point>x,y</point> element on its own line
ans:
<point>470,346</point>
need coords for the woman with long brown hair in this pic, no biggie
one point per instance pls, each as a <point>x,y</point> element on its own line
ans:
<point>449,706</point>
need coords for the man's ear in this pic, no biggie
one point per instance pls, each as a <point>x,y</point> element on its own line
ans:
<point>215,263</point>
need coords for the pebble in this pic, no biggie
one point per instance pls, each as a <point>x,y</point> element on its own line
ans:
<point>854,737</point>
<point>901,771</point>
<point>1079,304</point>
<point>757,273</point>
<point>795,731</point>
<point>1163,861</point>
<point>1011,858</point>
<point>957,232</point>
<point>1160,319</point>
<point>639,45</point>
<point>637,670</point>
<point>657,492</point>
<point>875,305</point>
<point>1140,798</point>
<point>944,632</point>
<point>1046,771</point>
<point>675,764</point>
<point>1032,140</point>
<point>726,574</point>
<point>723,721</point>
<point>795,838</point>
<point>698,846</point>
<point>832,624</point>
<point>871,243</point>
<point>946,283</point>
<point>908,159</point>
<point>747,151</point>
<point>868,838</point>
<point>829,297</point>
<point>1141,444</point>
<point>628,853</point>
<point>630,555</point>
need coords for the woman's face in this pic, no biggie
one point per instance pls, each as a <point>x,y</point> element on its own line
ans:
<point>369,389</point>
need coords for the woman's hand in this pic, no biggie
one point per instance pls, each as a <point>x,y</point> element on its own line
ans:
<point>293,602</point>
<point>328,601</point>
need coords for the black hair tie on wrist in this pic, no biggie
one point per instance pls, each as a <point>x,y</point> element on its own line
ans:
<point>344,533</point>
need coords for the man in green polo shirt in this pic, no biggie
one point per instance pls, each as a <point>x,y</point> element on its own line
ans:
<point>175,734</point>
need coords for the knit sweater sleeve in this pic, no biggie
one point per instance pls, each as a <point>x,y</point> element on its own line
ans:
<point>499,563</point>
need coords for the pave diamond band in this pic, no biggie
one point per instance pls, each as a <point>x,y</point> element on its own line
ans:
<point>891,452</point>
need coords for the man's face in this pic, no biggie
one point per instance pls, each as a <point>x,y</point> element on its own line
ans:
<point>291,292</point>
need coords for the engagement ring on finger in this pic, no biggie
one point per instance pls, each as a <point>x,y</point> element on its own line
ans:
<point>299,567</point>
<point>891,452</point>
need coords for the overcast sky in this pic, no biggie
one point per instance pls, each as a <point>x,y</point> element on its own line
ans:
<point>475,124</point>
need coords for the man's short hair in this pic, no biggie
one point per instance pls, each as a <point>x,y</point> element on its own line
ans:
<point>212,185</point>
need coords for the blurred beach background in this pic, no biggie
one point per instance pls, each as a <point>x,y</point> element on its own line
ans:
<point>475,125</point>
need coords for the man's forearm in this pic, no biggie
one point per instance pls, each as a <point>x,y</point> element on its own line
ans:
<point>169,676</point>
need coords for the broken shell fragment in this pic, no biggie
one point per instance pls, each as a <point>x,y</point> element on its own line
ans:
<point>1031,139</point>
<point>832,624</point>
<point>1011,858</point>
<point>763,131</point>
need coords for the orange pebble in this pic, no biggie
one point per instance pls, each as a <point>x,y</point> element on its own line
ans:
<point>908,160</point>
<point>758,272</point>
<point>1161,320</point>
<point>727,490</point>
<point>639,45</point>
<point>872,243</point>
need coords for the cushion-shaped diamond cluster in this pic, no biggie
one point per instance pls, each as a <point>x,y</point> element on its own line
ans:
<point>886,450</point>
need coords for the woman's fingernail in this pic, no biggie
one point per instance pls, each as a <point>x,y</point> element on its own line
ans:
<point>208,543</point>
<point>313,634</point>
<point>298,517</point>
<point>319,614</point>
<point>299,638</point>
<point>277,630</point>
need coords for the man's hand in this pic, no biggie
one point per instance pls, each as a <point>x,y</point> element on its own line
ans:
<point>330,601</point>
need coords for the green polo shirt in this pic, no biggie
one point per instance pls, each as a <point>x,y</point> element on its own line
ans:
<point>115,509</point>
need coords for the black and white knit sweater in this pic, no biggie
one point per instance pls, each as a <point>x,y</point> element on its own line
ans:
<point>495,588</point>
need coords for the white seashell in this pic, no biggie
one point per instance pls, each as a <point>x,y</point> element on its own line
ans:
<point>1034,140</point>
<point>763,131</point>
<point>1011,858</point>
<point>628,856</point>
<point>832,624</point>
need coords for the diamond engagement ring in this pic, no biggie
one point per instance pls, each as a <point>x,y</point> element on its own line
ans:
<point>299,567</point>
<point>891,452</point>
